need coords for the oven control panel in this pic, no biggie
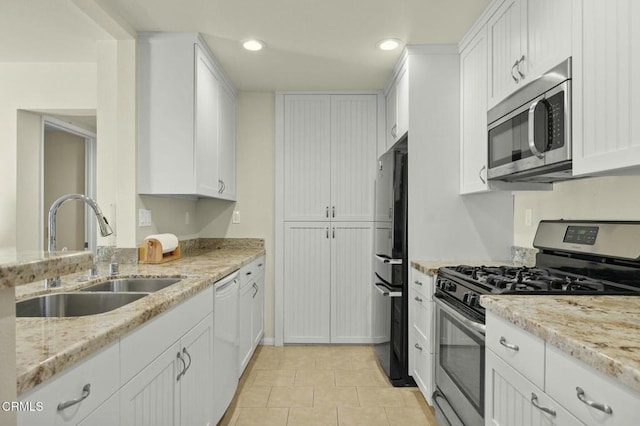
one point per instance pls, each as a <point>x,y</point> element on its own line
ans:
<point>460,292</point>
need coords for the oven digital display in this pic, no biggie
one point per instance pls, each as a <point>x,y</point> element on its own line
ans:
<point>581,235</point>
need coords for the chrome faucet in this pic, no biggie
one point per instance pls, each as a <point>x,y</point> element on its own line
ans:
<point>105,229</point>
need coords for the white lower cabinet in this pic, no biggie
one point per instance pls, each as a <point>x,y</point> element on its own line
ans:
<point>421,331</point>
<point>528,382</point>
<point>250,311</point>
<point>510,399</point>
<point>177,387</point>
<point>92,379</point>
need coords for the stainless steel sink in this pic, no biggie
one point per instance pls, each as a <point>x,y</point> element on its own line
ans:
<point>147,285</point>
<point>74,304</point>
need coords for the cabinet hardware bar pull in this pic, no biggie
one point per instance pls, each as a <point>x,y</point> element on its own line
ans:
<point>248,273</point>
<point>184,351</point>
<point>484,182</point>
<point>256,289</point>
<point>418,347</point>
<point>602,407</point>
<point>534,401</point>
<point>333,211</point>
<point>334,232</point>
<point>518,67</point>
<point>326,230</point>
<point>511,346</point>
<point>417,299</point>
<point>86,391</point>
<point>417,282</point>
<point>515,64</point>
<point>326,211</point>
<point>184,367</point>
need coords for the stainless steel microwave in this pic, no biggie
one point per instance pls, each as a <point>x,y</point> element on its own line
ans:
<point>529,133</point>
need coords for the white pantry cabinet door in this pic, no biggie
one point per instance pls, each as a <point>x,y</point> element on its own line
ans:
<point>206,125</point>
<point>153,396</point>
<point>473,123</point>
<point>392,117</point>
<point>307,282</point>
<point>351,282</point>
<point>353,156</point>
<point>196,385</point>
<point>510,399</point>
<point>402,102</point>
<point>307,157</point>
<point>505,32</point>
<point>606,93</point>
<point>227,144</point>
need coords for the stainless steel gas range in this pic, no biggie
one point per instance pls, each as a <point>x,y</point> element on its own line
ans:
<point>574,258</point>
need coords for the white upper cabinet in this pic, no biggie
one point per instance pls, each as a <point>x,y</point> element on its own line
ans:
<point>526,38</point>
<point>473,123</point>
<point>330,146</point>
<point>186,118</point>
<point>397,108</point>
<point>606,96</point>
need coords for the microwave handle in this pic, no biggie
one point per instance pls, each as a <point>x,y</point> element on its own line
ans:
<point>532,143</point>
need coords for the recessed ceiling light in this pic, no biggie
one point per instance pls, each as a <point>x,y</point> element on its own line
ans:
<point>389,44</point>
<point>253,45</point>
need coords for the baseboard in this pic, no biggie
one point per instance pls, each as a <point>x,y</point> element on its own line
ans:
<point>268,341</point>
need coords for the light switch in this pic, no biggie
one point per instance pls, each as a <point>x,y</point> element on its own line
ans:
<point>144,217</point>
<point>236,216</point>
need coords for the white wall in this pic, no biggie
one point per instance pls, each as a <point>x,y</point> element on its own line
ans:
<point>443,224</point>
<point>33,86</point>
<point>599,198</point>
<point>256,188</point>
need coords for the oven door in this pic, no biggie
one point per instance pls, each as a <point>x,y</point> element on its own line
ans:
<point>459,364</point>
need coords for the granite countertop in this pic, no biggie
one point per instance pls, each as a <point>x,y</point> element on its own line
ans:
<point>601,331</point>
<point>22,267</point>
<point>46,346</point>
<point>430,267</point>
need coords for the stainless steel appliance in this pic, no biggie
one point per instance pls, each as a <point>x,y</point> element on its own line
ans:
<point>574,258</point>
<point>390,291</point>
<point>529,133</point>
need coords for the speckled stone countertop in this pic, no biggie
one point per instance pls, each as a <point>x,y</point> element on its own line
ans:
<point>46,346</point>
<point>22,267</point>
<point>430,267</point>
<point>601,331</point>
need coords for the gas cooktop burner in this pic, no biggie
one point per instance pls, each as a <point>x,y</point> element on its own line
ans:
<point>515,279</point>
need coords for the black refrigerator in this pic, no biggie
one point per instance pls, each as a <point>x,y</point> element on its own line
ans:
<point>391,266</point>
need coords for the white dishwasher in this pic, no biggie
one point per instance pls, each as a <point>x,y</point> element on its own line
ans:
<point>225,344</point>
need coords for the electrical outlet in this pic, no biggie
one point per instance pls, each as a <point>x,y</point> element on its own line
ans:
<point>144,217</point>
<point>236,216</point>
<point>527,217</point>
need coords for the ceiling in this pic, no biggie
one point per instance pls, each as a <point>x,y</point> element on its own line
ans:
<point>311,44</point>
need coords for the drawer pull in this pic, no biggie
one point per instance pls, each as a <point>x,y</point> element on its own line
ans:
<point>602,407</point>
<point>417,299</point>
<point>248,273</point>
<point>511,346</point>
<point>418,347</point>
<point>417,282</point>
<point>534,401</point>
<point>86,391</point>
<point>259,265</point>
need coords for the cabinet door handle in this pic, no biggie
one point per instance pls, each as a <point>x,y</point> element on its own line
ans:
<point>184,351</point>
<point>418,347</point>
<point>417,282</point>
<point>515,64</point>
<point>511,346</point>
<point>326,230</point>
<point>394,130</point>
<point>333,232</point>
<point>598,406</point>
<point>86,391</point>
<point>521,60</point>
<point>417,299</point>
<point>256,288</point>
<point>184,367</point>
<point>219,186</point>
<point>333,211</point>
<point>480,174</point>
<point>534,401</point>
<point>248,273</point>
<point>390,212</point>
<point>326,211</point>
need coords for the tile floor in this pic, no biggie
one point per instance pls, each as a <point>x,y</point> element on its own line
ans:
<point>322,385</point>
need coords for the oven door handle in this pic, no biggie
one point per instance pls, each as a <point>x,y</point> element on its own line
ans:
<point>386,291</point>
<point>386,259</point>
<point>532,125</point>
<point>476,326</point>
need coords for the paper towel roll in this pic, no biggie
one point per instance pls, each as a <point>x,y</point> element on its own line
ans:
<point>169,241</point>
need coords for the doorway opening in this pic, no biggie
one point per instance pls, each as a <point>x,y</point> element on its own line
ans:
<point>69,166</point>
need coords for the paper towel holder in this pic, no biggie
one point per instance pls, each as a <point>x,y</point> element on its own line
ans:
<point>150,251</point>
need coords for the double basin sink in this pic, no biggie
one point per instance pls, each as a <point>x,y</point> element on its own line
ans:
<point>95,299</point>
